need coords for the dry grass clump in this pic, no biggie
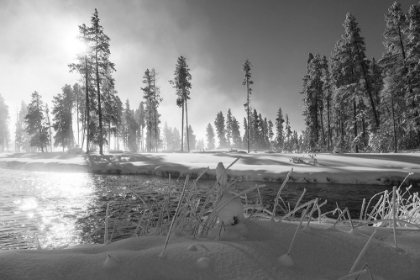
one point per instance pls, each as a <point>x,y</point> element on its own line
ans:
<point>400,206</point>
<point>192,211</point>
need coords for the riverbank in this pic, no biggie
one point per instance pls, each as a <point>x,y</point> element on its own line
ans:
<point>369,169</point>
<point>239,245</point>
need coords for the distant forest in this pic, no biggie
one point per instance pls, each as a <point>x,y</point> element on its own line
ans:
<point>351,103</point>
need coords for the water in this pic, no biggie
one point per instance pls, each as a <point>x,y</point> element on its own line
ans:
<point>63,209</point>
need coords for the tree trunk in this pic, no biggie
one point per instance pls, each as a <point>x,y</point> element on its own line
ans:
<point>355,124</point>
<point>322,126</point>
<point>329,125</point>
<point>182,129</point>
<point>87,108</point>
<point>393,122</point>
<point>186,120</point>
<point>367,86</point>
<point>99,106</point>
<point>247,98</point>
<point>77,115</point>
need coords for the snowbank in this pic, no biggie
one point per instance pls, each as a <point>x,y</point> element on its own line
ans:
<point>373,169</point>
<point>318,253</point>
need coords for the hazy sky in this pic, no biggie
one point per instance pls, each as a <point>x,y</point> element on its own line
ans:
<point>38,41</point>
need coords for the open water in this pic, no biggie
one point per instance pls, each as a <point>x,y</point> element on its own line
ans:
<point>61,209</point>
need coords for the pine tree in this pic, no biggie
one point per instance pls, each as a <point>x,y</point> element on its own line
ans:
<point>288,134</point>
<point>327,89</point>
<point>131,128</point>
<point>279,141</point>
<point>192,138</point>
<point>103,67</point>
<point>156,100</point>
<point>210,137</point>
<point>357,49</point>
<point>63,117</point>
<point>176,139</point>
<point>270,132</point>
<point>85,67</point>
<point>141,121</point>
<point>236,134</point>
<point>182,85</point>
<point>413,64</point>
<point>313,99</point>
<point>228,127</point>
<point>255,132</point>
<point>246,67</point>
<point>148,91</point>
<point>78,95</point>
<point>246,135</point>
<point>35,122</point>
<point>48,122</point>
<point>200,145</point>
<point>21,136</point>
<point>219,123</point>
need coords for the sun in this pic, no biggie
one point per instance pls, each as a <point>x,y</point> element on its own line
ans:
<point>71,44</point>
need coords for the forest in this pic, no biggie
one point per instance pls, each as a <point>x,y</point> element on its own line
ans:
<point>351,103</point>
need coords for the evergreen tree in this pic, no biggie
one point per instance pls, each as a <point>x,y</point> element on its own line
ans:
<point>85,67</point>
<point>63,117</point>
<point>229,127</point>
<point>246,135</point>
<point>48,122</point>
<point>210,137</point>
<point>131,128</point>
<point>255,132</point>
<point>200,145</point>
<point>149,112</point>
<point>288,134</point>
<point>270,131</point>
<point>327,89</point>
<point>236,134</point>
<point>167,138</point>
<point>21,136</point>
<point>103,67</point>
<point>219,123</point>
<point>141,121</point>
<point>78,96</point>
<point>4,124</point>
<point>192,138</point>
<point>356,45</point>
<point>35,122</point>
<point>413,62</point>
<point>246,67</point>
<point>279,141</point>
<point>156,100</point>
<point>176,139</point>
<point>182,85</point>
<point>313,99</point>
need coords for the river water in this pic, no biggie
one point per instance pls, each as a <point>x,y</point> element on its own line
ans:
<point>61,209</point>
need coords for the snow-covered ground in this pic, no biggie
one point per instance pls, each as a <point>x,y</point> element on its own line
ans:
<point>238,248</point>
<point>373,169</point>
<point>318,253</point>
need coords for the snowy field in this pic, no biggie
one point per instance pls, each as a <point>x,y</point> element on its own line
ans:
<point>238,245</point>
<point>371,169</point>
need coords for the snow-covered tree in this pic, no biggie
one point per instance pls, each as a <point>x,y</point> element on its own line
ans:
<point>210,137</point>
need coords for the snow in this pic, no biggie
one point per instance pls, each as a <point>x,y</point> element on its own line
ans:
<point>372,169</point>
<point>236,247</point>
<point>317,254</point>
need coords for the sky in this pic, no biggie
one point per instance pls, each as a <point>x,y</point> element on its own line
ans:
<point>38,39</point>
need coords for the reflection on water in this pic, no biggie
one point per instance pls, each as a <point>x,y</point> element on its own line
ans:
<point>44,205</point>
<point>69,208</point>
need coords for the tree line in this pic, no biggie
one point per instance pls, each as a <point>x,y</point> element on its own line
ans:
<point>102,118</point>
<point>357,104</point>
